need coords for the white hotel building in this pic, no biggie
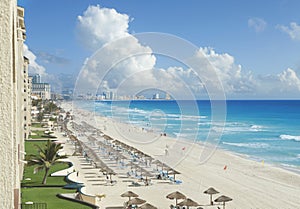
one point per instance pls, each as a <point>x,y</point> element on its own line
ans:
<point>14,102</point>
<point>39,89</point>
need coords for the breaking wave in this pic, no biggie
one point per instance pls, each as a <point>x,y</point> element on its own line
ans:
<point>248,145</point>
<point>290,137</point>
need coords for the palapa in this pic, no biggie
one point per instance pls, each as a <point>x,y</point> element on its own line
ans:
<point>189,203</point>
<point>136,201</point>
<point>211,191</point>
<point>223,199</point>
<point>176,195</point>
<point>147,206</point>
<point>129,194</point>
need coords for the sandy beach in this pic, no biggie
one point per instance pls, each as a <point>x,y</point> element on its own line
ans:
<point>249,183</point>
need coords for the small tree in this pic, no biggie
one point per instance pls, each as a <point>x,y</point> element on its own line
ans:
<point>46,158</point>
<point>40,117</point>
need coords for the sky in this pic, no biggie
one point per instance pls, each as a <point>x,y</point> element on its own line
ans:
<point>253,46</point>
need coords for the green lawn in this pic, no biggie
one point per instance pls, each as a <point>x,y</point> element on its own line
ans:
<point>36,125</point>
<point>48,195</point>
<point>30,146</point>
<point>39,134</point>
<point>45,194</point>
<point>36,179</point>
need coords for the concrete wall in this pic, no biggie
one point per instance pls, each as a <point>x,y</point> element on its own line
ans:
<point>11,103</point>
<point>7,181</point>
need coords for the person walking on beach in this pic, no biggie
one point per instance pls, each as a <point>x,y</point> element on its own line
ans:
<point>167,150</point>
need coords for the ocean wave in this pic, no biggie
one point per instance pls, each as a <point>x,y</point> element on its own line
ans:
<point>254,145</point>
<point>289,137</point>
<point>256,128</point>
<point>298,156</point>
<point>186,117</point>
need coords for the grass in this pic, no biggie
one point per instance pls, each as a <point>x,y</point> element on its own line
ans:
<point>42,193</point>
<point>48,195</point>
<point>36,125</point>
<point>36,179</point>
<point>39,134</point>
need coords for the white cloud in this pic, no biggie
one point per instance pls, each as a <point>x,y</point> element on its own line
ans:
<point>293,30</point>
<point>234,81</point>
<point>57,81</point>
<point>98,26</point>
<point>290,80</point>
<point>257,24</point>
<point>34,67</point>
<point>134,65</point>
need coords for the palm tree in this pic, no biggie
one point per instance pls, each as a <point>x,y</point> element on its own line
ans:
<point>46,158</point>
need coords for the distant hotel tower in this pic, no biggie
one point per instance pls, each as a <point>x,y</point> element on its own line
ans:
<point>40,90</point>
<point>14,102</point>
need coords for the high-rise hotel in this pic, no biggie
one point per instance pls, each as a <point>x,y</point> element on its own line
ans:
<point>14,102</point>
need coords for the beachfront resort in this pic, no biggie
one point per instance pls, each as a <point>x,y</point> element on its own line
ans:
<point>60,155</point>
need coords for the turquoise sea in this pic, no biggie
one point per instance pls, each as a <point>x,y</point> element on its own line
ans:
<point>261,130</point>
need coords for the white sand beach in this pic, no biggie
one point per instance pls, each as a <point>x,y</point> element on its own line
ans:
<point>249,183</point>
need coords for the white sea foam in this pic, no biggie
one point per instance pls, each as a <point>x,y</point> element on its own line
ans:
<point>289,137</point>
<point>254,145</point>
<point>256,128</point>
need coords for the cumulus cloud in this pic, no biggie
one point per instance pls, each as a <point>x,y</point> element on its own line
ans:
<point>234,81</point>
<point>282,85</point>
<point>98,26</point>
<point>34,67</point>
<point>293,30</point>
<point>58,82</point>
<point>125,66</point>
<point>257,24</point>
<point>290,80</point>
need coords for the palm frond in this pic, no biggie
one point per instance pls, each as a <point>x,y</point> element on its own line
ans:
<point>37,169</point>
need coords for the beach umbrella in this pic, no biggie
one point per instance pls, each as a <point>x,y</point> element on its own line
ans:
<point>147,206</point>
<point>223,199</point>
<point>189,203</point>
<point>107,137</point>
<point>129,194</point>
<point>173,172</point>
<point>176,195</point>
<point>211,191</point>
<point>136,201</point>
<point>107,171</point>
<point>131,164</point>
<point>158,163</point>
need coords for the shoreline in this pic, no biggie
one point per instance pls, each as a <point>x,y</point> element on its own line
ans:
<point>248,154</point>
<point>239,172</point>
<point>291,168</point>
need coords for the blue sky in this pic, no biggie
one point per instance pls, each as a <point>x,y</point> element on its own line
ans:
<point>263,37</point>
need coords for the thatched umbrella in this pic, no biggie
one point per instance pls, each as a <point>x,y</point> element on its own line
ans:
<point>157,162</point>
<point>173,172</point>
<point>129,194</point>
<point>147,206</point>
<point>131,164</point>
<point>108,171</point>
<point>176,195</point>
<point>106,137</point>
<point>136,201</point>
<point>223,199</point>
<point>211,191</point>
<point>189,203</point>
<point>147,175</point>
